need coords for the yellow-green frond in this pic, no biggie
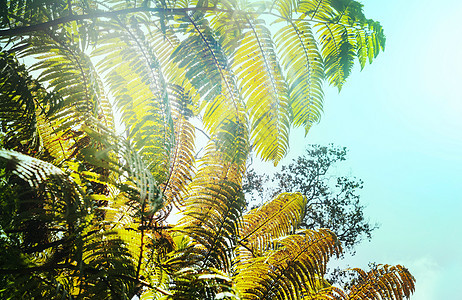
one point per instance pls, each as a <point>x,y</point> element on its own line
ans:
<point>182,159</point>
<point>303,63</point>
<point>344,34</point>
<point>285,272</point>
<point>265,91</point>
<point>137,84</point>
<point>274,219</point>
<point>383,282</point>
<point>24,113</point>
<point>215,201</point>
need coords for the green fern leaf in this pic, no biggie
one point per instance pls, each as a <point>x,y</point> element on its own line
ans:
<point>265,91</point>
<point>303,64</point>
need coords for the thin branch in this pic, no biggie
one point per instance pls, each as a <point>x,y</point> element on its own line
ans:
<point>202,131</point>
<point>23,30</point>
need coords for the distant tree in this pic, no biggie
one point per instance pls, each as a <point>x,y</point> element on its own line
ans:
<point>333,201</point>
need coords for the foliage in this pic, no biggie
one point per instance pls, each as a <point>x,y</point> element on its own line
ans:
<point>85,209</point>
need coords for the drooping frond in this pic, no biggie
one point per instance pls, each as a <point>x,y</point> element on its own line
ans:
<point>105,255</point>
<point>201,57</point>
<point>210,219</point>
<point>229,27</point>
<point>337,51</point>
<point>320,289</point>
<point>303,63</point>
<point>23,102</point>
<point>265,91</point>
<point>273,220</point>
<point>382,282</point>
<point>204,65</point>
<point>182,156</point>
<point>133,211</point>
<point>215,201</point>
<point>22,13</point>
<point>137,84</point>
<point>68,73</point>
<point>344,34</point>
<point>36,172</point>
<point>284,272</point>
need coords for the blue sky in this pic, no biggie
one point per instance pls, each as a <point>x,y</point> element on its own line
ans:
<point>401,119</point>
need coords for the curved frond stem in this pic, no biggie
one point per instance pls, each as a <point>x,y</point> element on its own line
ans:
<point>24,30</point>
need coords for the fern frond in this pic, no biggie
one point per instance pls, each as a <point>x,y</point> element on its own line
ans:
<point>137,84</point>
<point>35,171</point>
<point>202,58</point>
<point>25,105</point>
<point>337,51</point>
<point>182,157</point>
<point>21,13</point>
<point>192,284</point>
<point>286,8</point>
<point>18,105</point>
<point>344,34</point>
<point>383,282</point>
<point>210,219</point>
<point>320,289</point>
<point>303,63</point>
<point>105,255</point>
<point>273,220</point>
<point>49,216</point>
<point>215,201</point>
<point>204,63</point>
<point>316,10</point>
<point>266,93</point>
<point>284,272</point>
<point>69,73</point>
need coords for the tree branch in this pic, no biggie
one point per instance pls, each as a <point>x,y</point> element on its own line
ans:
<point>23,30</point>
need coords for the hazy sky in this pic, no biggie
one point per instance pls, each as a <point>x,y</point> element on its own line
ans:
<point>401,119</point>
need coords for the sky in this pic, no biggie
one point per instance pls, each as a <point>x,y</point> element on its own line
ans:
<point>401,119</point>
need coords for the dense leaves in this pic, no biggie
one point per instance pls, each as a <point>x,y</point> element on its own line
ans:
<point>100,103</point>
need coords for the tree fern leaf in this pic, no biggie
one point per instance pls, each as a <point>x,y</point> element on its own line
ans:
<point>281,273</point>
<point>142,98</point>
<point>344,34</point>
<point>383,282</point>
<point>303,64</point>
<point>182,157</point>
<point>206,67</point>
<point>210,221</point>
<point>19,98</point>
<point>274,219</point>
<point>264,88</point>
<point>316,10</point>
<point>337,52</point>
<point>286,8</point>
<point>215,201</point>
<point>78,89</point>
